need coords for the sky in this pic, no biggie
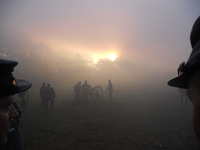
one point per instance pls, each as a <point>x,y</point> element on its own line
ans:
<point>72,40</point>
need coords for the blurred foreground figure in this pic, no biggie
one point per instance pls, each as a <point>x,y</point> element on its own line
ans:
<point>14,137</point>
<point>24,98</point>
<point>110,90</point>
<point>86,89</point>
<point>50,96</point>
<point>183,93</point>
<point>8,87</point>
<point>189,76</point>
<point>42,94</point>
<point>77,91</point>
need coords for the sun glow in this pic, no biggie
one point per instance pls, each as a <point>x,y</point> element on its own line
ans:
<point>112,57</point>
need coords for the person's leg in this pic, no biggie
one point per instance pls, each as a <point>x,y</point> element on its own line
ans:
<point>47,102</point>
<point>76,98</point>
<point>52,104</point>
<point>110,96</point>
<point>42,98</point>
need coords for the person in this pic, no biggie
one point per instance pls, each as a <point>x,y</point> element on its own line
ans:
<point>77,91</point>
<point>50,96</point>
<point>183,93</point>
<point>24,99</point>
<point>42,94</point>
<point>189,76</point>
<point>8,87</point>
<point>85,93</point>
<point>14,141</point>
<point>110,90</point>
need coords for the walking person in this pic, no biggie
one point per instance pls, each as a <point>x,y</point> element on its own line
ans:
<point>110,90</point>
<point>183,93</point>
<point>24,97</point>
<point>77,91</point>
<point>50,96</point>
<point>86,89</point>
<point>42,94</point>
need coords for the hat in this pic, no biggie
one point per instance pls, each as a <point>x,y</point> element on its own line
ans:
<point>186,70</point>
<point>8,84</point>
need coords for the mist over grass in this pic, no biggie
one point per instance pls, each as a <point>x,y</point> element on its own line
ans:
<point>130,122</point>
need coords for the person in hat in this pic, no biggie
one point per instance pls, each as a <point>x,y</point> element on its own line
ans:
<point>42,94</point>
<point>189,76</point>
<point>77,91</point>
<point>24,99</point>
<point>183,93</point>
<point>85,93</point>
<point>8,87</point>
<point>110,90</point>
<point>50,96</point>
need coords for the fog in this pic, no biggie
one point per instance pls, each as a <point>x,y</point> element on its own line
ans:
<point>62,43</point>
<point>38,63</point>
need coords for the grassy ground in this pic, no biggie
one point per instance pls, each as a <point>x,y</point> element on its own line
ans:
<point>127,123</point>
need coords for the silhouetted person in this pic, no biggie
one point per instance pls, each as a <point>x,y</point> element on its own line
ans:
<point>77,91</point>
<point>86,89</point>
<point>110,90</point>
<point>183,93</point>
<point>50,96</point>
<point>14,137</point>
<point>8,87</point>
<point>24,97</point>
<point>42,94</point>
<point>189,76</point>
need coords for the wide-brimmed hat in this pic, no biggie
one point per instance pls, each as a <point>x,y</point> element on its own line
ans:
<point>186,70</point>
<point>8,84</point>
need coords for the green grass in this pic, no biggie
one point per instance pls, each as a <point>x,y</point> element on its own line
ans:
<point>133,123</point>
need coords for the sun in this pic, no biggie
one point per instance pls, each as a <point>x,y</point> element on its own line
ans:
<point>112,57</point>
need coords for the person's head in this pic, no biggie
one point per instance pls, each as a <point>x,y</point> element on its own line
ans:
<point>109,81</point>
<point>48,85</point>
<point>8,87</point>
<point>79,82</point>
<point>189,76</point>
<point>85,81</point>
<point>44,84</point>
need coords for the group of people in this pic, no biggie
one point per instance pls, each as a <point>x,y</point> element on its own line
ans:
<point>82,92</point>
<point>83,89</point>
<point>47,95</point>
<point>188,78</point>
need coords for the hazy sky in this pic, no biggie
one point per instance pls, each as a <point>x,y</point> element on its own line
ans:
<point>143,34</point>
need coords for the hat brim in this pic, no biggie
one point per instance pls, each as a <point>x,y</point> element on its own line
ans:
<point>23,85</point>
<point>180,81</point>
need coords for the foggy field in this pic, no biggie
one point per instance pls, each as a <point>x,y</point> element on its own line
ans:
<point>136,122</point>
<point>138,45</point>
